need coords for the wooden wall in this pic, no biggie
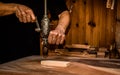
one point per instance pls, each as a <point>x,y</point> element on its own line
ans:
<point>118,25</point>
<point>92,23</point>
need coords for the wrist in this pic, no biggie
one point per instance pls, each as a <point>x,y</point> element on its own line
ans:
<point>12,7</point>
<point>60,28</point>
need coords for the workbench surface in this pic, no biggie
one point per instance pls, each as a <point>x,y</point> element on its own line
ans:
<point>78,66</point>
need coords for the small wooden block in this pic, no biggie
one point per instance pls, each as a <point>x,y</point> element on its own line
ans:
<point>102,49</point>
<point>54,63</point>
<point>81,46</point>
<point>101,54</point>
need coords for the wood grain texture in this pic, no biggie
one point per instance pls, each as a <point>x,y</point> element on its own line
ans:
<point>117,35</point>
<point>78,66</point>
<point>102,33</point>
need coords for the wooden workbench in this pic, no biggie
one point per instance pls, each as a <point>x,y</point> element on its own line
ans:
<point>78,66</point>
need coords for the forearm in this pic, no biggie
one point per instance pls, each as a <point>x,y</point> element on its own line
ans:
<point>64,19</point>
<point>7,9</point>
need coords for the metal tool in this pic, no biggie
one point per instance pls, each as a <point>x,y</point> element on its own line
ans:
<point>38,26</point>
<point>45,31</point>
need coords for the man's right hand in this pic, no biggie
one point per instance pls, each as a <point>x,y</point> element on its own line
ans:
<point>24,14</point>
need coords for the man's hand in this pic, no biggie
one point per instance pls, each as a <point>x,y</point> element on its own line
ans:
<point>24,14</point>
<point>56,36</point>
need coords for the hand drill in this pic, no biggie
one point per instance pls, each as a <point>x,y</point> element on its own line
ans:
<point>45,30</point>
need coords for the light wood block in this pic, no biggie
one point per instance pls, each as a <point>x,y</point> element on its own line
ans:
<point>54,63</point>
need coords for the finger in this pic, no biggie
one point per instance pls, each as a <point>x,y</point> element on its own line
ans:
<point>58,39</point>
<point>24,17</point>
<point>54,37</point>
<point>32,16</point>
<point>22,14</point>
<point>18,14</point>
<point>50,37</point>
<point>28,18</point>
<point>62,39</point>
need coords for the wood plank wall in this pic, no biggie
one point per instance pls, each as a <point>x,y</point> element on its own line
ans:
<point>92,23</point>
<point>118,25</point>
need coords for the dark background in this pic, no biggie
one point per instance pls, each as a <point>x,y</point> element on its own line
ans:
<point>18,39</point>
